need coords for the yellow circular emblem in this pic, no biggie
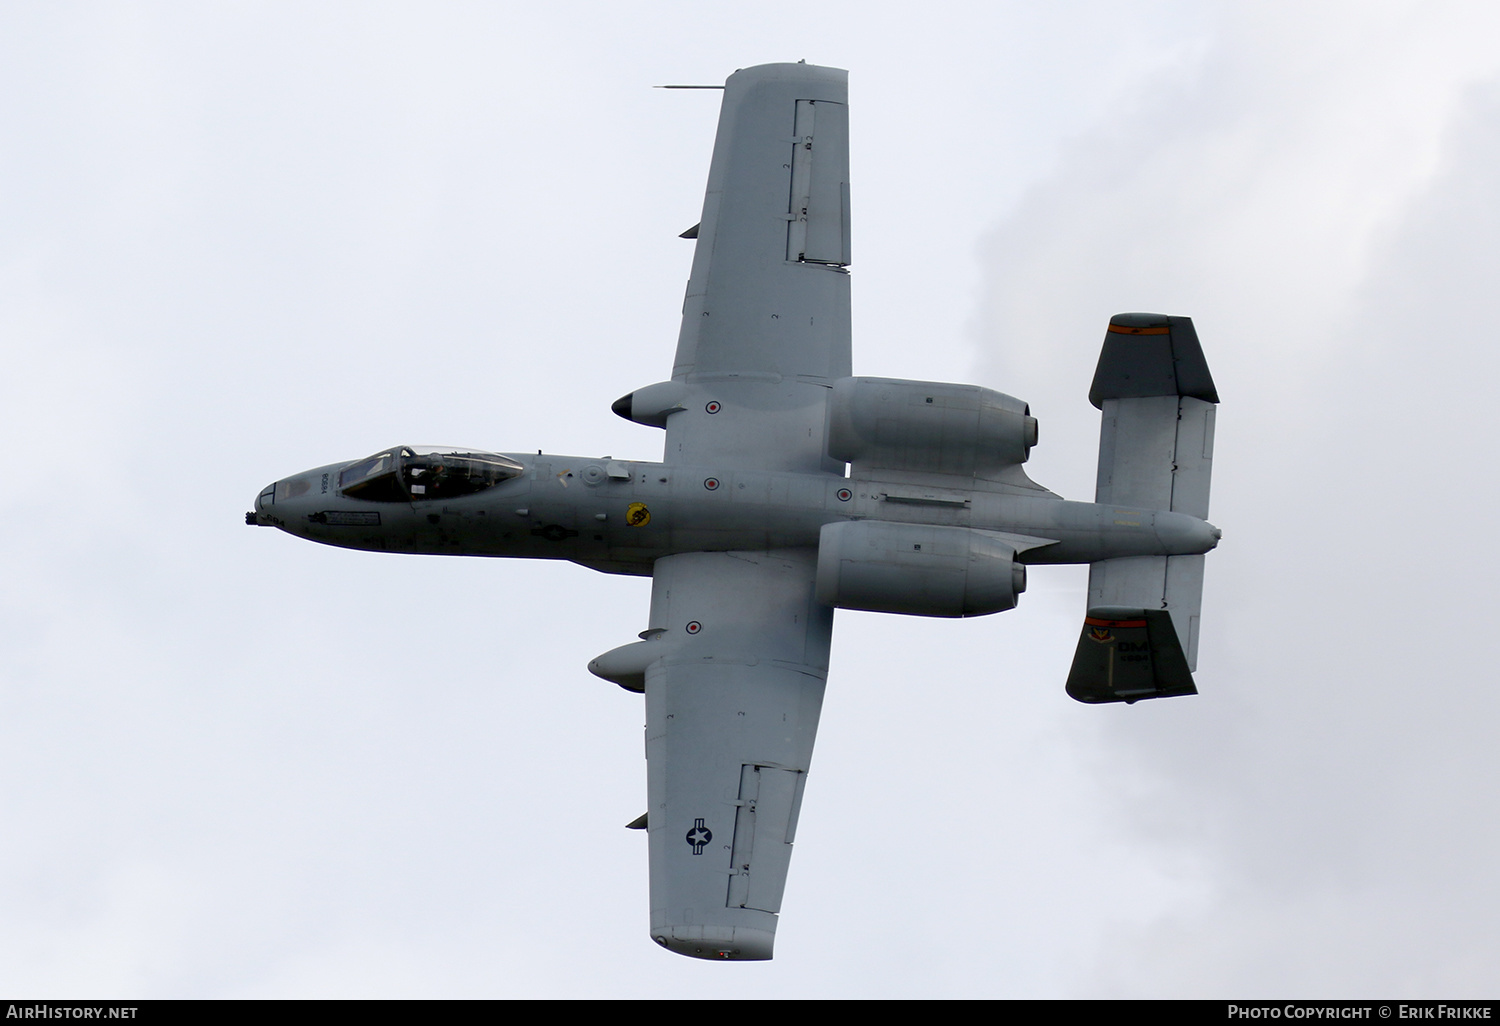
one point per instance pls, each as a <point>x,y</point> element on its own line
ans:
<point>637,515</point>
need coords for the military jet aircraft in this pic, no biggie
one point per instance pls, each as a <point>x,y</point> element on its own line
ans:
<point>790,488</point>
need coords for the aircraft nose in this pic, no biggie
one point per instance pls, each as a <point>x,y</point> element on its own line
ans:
<point>284,503</point>
<point>259,516</point>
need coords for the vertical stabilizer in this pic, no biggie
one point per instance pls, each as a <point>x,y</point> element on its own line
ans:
<point>1156,446</point>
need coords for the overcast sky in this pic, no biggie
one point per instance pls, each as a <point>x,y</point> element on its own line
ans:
<point>243,239</point>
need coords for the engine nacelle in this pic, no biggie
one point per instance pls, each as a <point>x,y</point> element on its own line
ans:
<point>917,569</point>
<point>927,426</point>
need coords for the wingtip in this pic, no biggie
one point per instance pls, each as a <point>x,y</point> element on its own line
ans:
<point>718,943</point>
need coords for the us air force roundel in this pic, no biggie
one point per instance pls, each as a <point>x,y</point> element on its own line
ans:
<point>699,836</point>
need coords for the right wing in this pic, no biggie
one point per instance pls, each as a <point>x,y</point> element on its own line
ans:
<point>732,709</point>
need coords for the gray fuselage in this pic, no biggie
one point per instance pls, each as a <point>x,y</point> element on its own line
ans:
<point>621,516</point>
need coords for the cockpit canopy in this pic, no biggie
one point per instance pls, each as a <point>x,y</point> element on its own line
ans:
<point>425,472</point>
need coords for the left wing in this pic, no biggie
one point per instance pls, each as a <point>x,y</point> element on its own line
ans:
<point>765,324</point>
<point>731,712</point>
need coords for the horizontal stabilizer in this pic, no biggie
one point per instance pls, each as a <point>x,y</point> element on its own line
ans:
<point>1156,447</point>
<point>1126,655</point>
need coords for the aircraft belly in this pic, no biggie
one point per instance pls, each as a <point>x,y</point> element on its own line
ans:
<point>663,508</point>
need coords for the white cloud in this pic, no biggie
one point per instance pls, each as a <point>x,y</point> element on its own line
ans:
<point>1324,207</point>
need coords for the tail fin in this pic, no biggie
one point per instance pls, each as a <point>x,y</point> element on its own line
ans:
<point>1155,452</point>
<point>1128,655</point>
